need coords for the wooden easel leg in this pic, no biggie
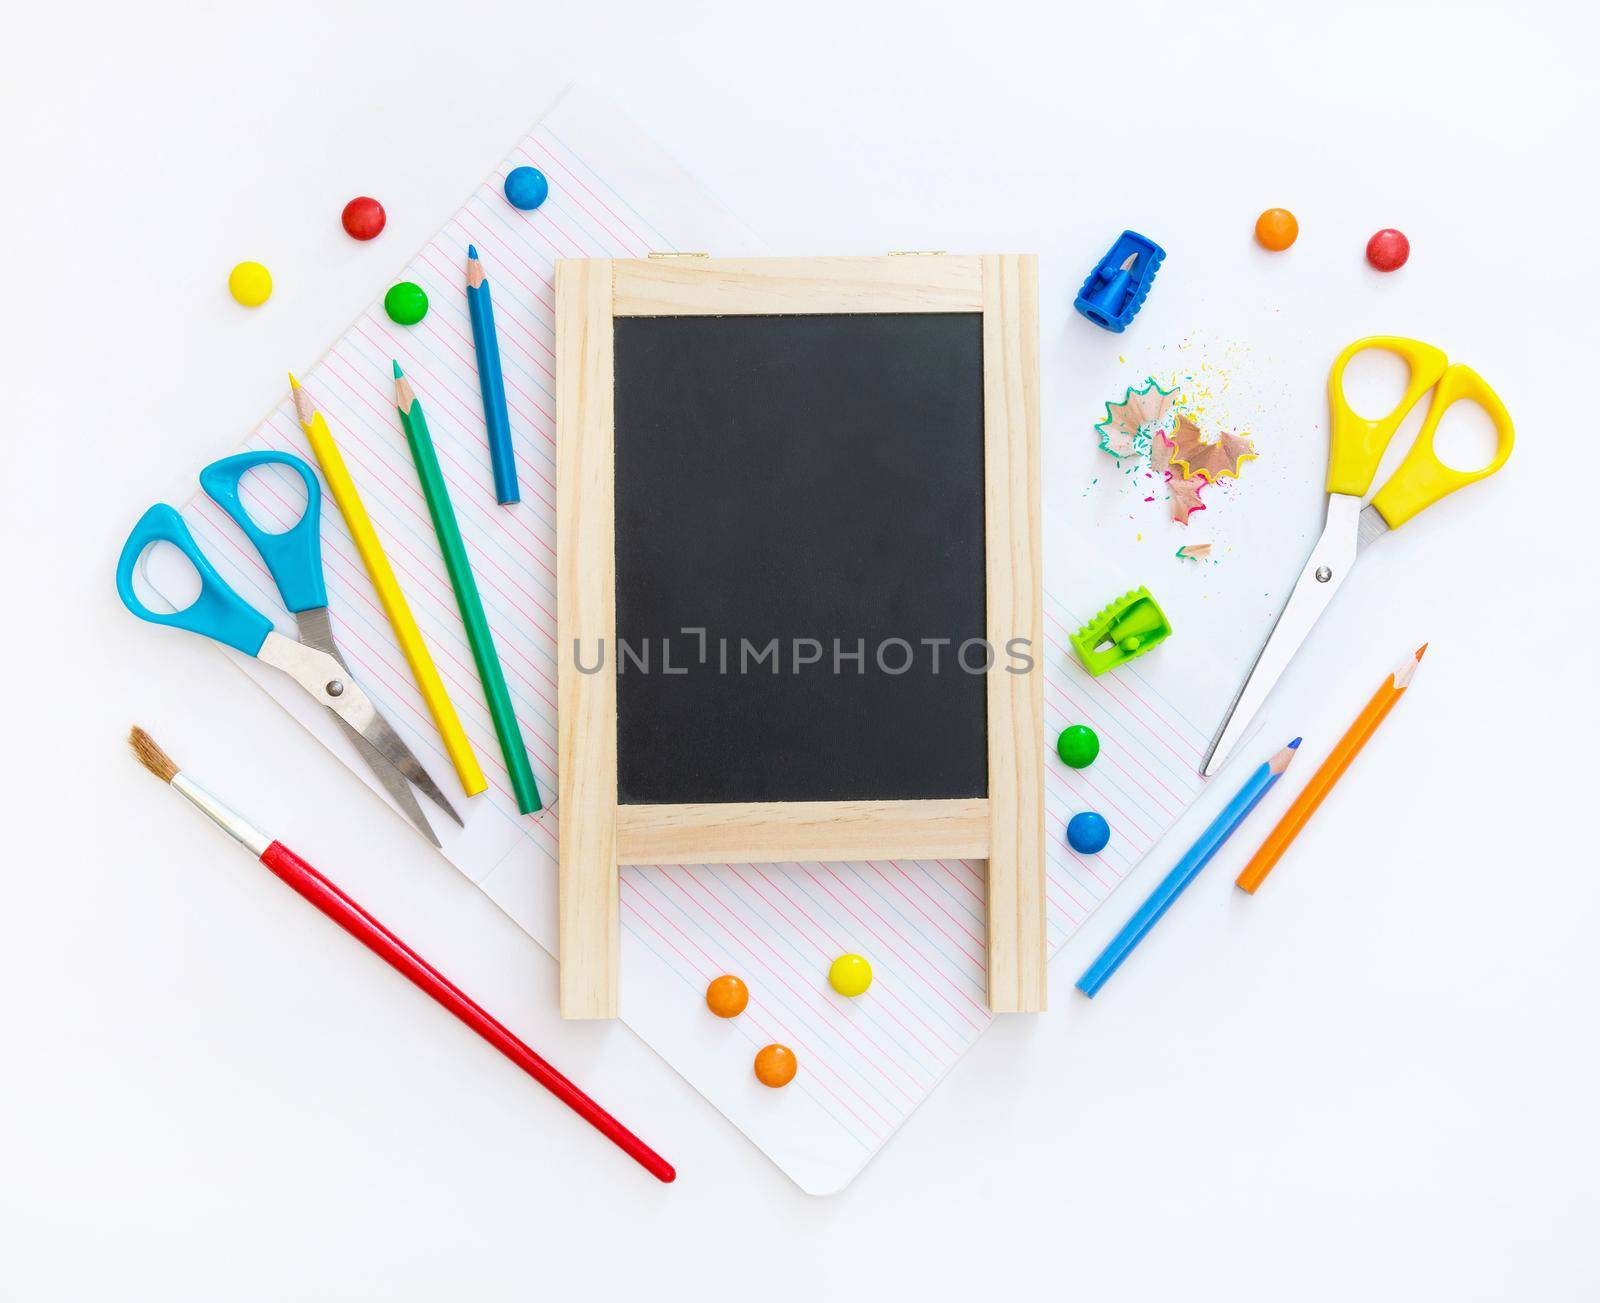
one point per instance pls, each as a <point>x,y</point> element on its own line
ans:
<point>590,929</point>
<point>1018,980</point>
<point>1018,977</point>
<point>586,758</point>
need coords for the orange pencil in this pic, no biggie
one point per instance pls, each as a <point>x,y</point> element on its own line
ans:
<point>1329,773</point>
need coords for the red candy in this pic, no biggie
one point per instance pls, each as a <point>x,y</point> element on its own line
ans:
<point>1388,250</point>
<point>362,218</point>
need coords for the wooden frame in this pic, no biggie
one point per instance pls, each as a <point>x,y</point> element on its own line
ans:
<point>597,835</point>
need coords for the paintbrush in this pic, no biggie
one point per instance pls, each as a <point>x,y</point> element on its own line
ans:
<point>344,911</point>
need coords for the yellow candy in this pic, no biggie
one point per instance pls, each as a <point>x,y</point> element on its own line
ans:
<point>850,975</point>
<point>250,284</point>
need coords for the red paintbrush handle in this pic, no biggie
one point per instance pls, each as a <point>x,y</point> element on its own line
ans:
<point>358,923</point>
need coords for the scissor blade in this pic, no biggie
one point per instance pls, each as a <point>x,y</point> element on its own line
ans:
<point>325,677</point>
<point>380,733</point>
<point>1330,561</point>
<point>393,782</point>
<point>321,674</point>
<point>392,760</point>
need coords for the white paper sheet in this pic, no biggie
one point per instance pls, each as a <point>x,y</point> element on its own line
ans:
<point>865,1064</point>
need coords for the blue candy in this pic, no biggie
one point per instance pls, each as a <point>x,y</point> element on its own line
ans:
<point>1088,833</point>
<point>526,187</point>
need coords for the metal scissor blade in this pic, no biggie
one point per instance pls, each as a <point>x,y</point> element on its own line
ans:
<point>385,750</point>
<point>1330,561</point>
<point>393,782</point>
<point>380,733</point>
<point>325,676</point>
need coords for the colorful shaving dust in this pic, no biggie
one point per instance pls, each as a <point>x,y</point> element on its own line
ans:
<point>1158,430</point>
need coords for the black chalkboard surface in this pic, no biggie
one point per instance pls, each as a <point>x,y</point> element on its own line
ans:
<point>818,481</point>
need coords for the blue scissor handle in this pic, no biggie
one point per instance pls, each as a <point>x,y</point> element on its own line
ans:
<point>218,612</point>
<point>293,557</point>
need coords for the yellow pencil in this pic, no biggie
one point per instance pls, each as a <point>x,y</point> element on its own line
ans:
<point>394,601</point>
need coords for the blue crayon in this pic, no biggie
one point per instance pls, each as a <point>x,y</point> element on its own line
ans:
<point>490,382</point>
<point>1185,870</point>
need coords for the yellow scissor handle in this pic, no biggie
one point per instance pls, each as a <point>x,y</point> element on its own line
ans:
<point>1422,479</point>
<point>1356,444</point>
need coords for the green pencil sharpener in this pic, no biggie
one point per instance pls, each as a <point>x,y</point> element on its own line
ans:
<point>1125,629</point>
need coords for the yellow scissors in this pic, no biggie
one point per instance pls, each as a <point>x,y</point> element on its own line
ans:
<point>1355,447</point>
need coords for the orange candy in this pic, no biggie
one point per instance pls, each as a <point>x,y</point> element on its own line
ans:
<point>1277,229</point>
<point>776,1066</point>
<point>727,996</point>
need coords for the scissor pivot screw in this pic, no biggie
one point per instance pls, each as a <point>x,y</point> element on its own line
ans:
<point>1323,574</point>
<point>335,688</point>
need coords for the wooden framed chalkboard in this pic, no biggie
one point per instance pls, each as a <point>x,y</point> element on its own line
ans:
<point>798,602</point>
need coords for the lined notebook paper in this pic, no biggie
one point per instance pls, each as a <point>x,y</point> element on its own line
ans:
<point>865,1064</point>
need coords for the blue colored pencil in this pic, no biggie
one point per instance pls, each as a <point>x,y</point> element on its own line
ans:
<point>490,382</point>
<point>1185,870</point>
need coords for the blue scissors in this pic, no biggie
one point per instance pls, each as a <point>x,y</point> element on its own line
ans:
<point>294,560</point>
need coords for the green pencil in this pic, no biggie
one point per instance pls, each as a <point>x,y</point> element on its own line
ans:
<point>455,561</point>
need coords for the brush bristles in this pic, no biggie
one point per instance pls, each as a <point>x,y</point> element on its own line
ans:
<point>152,757</point>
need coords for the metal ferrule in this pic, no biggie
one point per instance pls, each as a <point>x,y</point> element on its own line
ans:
<point>235,825</point>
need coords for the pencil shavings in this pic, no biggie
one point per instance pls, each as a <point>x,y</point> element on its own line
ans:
<point>1193,552</point>
<point>1161,455</point>
<point>1186,498</point>
<point>1183,489</point>
<point>1159,424</point>
<point>1191,455</point>
<point>1138,411</point>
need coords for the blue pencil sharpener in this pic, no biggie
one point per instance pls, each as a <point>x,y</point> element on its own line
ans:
<point>1115,290</point>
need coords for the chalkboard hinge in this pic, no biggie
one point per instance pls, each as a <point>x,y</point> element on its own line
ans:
<point>917,253</point>
<point>678,255</point>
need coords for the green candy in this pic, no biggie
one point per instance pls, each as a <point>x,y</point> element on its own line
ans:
<point>1078,746</point>
<point>406,303</point>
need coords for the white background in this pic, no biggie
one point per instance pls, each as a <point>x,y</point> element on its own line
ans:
<point>1378,1076</point>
